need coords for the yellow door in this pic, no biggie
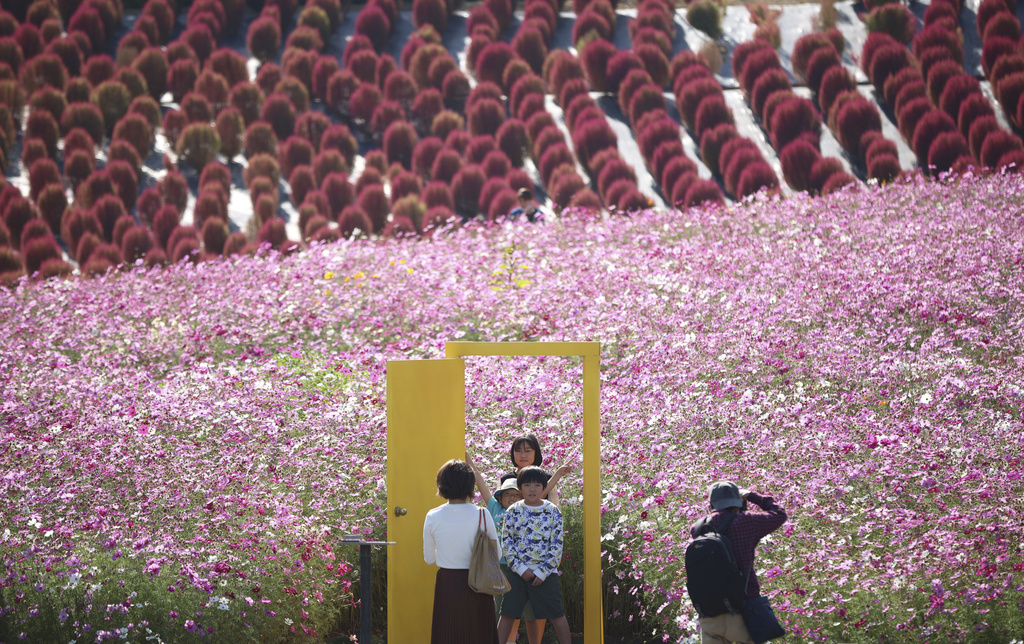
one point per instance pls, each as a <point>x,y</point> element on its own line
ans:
<point>426,406</point>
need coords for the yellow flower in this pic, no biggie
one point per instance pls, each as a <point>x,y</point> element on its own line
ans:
<point>329,275</point>
<point>358,276</point>
<point>409,271</point>
<point>327,292</point>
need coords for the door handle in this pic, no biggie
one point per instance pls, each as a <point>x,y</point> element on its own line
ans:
<point>400,511</point>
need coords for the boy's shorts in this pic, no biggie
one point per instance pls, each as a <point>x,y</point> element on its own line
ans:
<point>545,598</point>
<point>527,615</point>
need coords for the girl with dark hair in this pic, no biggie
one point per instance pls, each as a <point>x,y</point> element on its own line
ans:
<point>461,616</point>
<point>525,452</point>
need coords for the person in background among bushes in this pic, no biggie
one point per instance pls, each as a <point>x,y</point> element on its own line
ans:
<point>532,536</point>
<point>746,530</point>
<point>461,616</point>
<point>526,207</point>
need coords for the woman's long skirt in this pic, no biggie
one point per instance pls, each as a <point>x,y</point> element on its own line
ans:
<point>461,616</point>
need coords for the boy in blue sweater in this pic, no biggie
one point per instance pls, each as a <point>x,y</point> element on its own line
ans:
<point>532,543</point>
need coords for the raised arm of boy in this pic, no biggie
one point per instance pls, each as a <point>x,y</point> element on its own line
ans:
<point>550,490</point>
<point>481,483</point>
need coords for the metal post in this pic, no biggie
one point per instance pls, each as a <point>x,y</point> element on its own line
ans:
<point>365,603</point>
<point>365,588</point>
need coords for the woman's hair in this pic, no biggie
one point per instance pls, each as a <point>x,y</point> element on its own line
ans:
<point>531,440</point>
<point>532,474</point>
<point>455,480</point>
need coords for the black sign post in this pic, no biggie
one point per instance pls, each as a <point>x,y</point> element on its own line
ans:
<point>365,606</point>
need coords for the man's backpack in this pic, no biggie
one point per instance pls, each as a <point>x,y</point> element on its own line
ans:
<point>713,580</point>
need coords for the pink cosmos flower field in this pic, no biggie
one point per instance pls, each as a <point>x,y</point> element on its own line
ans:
<point>182,449</point>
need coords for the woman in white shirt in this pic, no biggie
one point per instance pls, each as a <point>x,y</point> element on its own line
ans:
<point>461,616</point>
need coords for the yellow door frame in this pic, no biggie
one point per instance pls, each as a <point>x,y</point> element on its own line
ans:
<point>593,611</point>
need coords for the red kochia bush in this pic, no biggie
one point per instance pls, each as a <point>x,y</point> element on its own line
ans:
<point>996,145</point>
<point>491,187</point>
<point>837,181</point>
<point>272,232</point>
<point>530,45</point>
<point>939,75</point>
<point>52,203</point>
<point>821,62</point>
<point>854,119</point>
<point>589,21</point>
<point>755,177</point>
<point>263,38</point>
<point>479,147</point>
<point>430,12</point>
<point>560,67</point>
<point>675,168</point>
<point>136,242</point>
<point>928,129</point>
<point>424,153</point>
<point>757,64</point>
<point>895,84</point>
<point>490,64</point>
<point>42,125</point>
<point>466,186</point>
<point>18,212</point>
<point>512,139</point>
<point>1004,67</point>
<point>375,204</point>
<point>946,149</point>
<point>736,155</point>
<point>822,170</point>
<point>995,48</point>
<point>339,192</point>
<point>979,131</point>
<point>711,112</point>
<point>363,101</point>
<point>767,84</point>
<point>86,116</point>
<point>613,171</point>
<point>884,168</point>
<point>36,251</point>
<point>1009,91</point>
<point>591,137</point>
<point>399,140</point>
<point>279,112</point>
<point>446,164</point>
<point>957,92</point>
<point>437,193</point>
<point>384,115</point>
<point>352,219</point>
<point>152,64</point>
<point>405,183</point>
<point>797,159</point>
<point>793,118</point>
<point>594,57</point>
<point>689,100</point>
<point>701,192</point>
<point>804,48</point>
<point>876,40</point>
<point>886,62</point>
<point>1004,24</point>
<point>485,117</point>
<point>181,77</point>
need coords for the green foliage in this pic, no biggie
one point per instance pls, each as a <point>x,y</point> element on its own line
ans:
<point>706,16</point>
<point>511,273</point>
<point>198,145</point>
